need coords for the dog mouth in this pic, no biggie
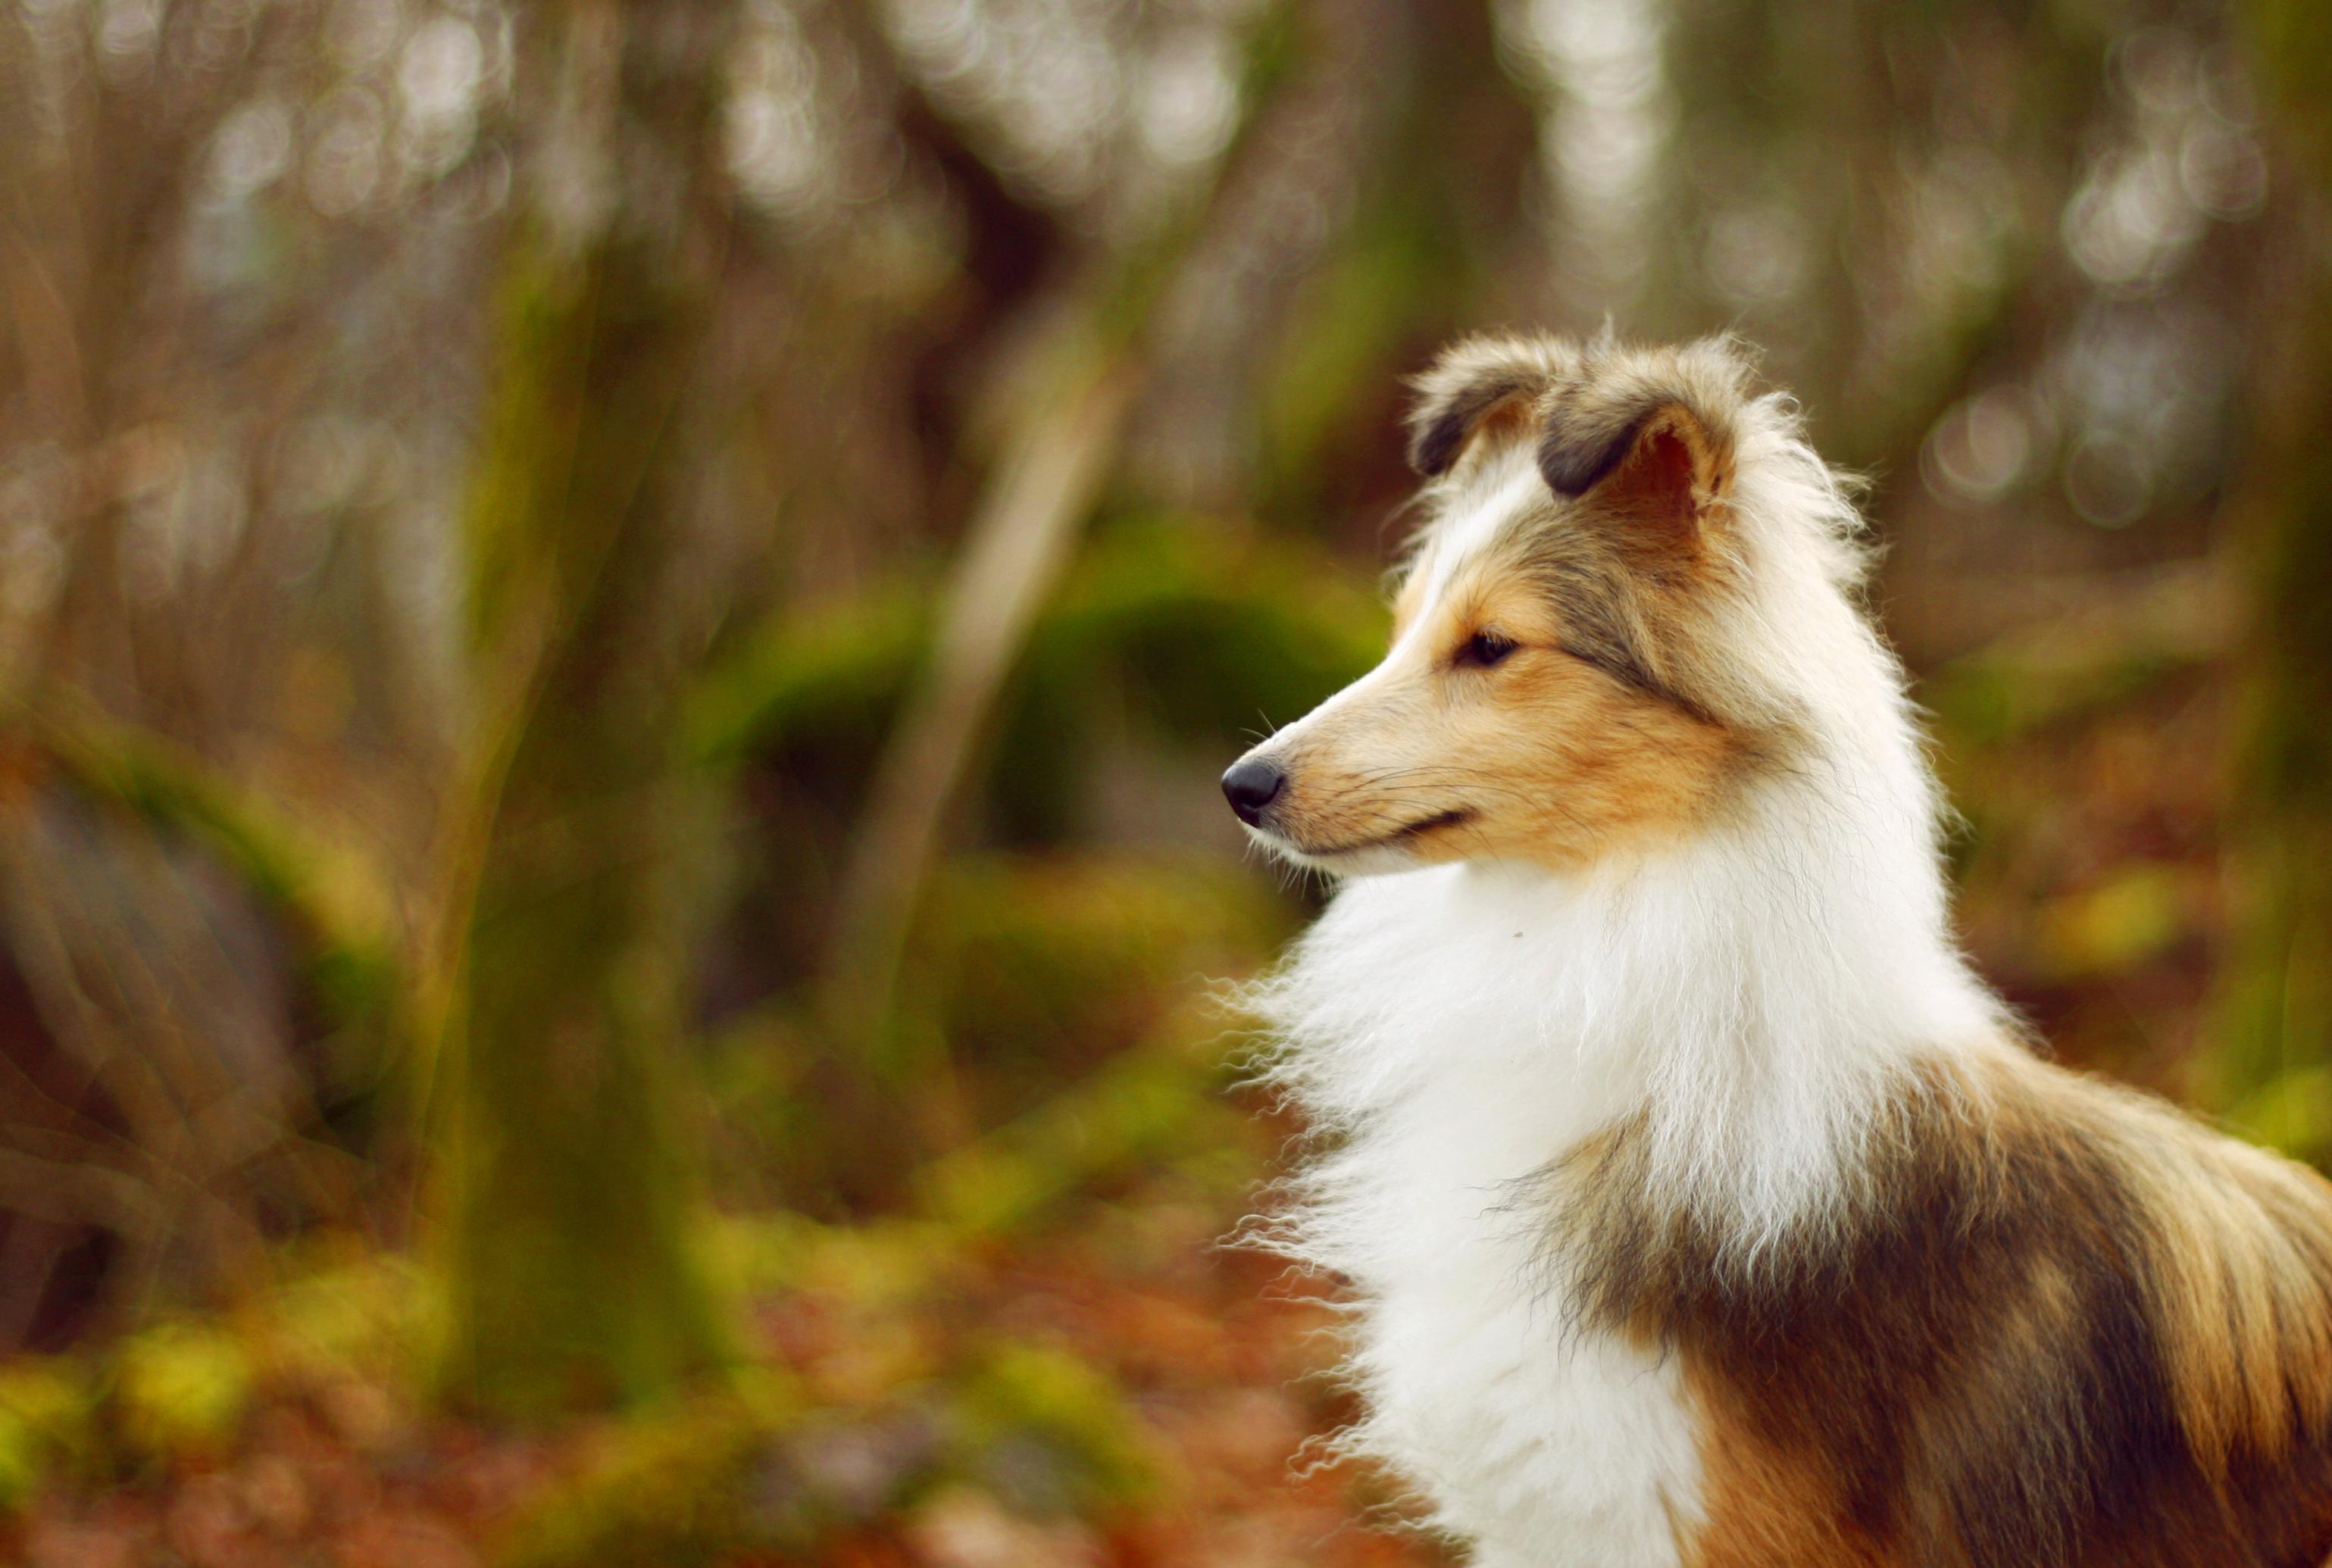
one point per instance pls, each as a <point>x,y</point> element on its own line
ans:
<point>1404,834</point>
<point>1455,816</point>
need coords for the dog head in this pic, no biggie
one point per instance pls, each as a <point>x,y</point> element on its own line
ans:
<point>1567,677</point>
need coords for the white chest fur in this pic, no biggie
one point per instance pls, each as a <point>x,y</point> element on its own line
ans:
<point>1544,1444</point>
<point>1430,1031</point>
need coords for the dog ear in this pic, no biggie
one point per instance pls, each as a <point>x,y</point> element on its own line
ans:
<point>1648,455</point>
<point>1472,385</point>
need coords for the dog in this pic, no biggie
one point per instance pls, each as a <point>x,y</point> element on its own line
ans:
<point>1697,1204</point>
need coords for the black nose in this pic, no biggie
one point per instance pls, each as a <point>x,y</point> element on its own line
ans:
<point>1251,785</point>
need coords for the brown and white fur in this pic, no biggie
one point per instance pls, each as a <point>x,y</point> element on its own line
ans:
<point>1697,1206</point>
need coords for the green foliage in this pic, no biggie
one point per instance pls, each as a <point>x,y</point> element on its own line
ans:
<point>882,1264</point>
<point>775,1463</point>
<point>178,1389</point>
<point>754,1470</point>
<point>2288,1112</point>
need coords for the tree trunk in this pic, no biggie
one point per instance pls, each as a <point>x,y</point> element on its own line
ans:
<point>2277,1052</point>
<point>570,1179</point>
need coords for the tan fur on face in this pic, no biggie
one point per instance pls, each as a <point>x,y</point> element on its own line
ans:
<point>1543,757</point>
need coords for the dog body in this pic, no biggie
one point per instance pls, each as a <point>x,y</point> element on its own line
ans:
<point>1698,1205</point>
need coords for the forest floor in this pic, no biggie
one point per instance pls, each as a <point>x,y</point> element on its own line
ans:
<point>1212,1361</point>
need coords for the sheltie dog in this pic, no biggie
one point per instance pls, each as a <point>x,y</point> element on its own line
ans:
<point>1696,1204</point>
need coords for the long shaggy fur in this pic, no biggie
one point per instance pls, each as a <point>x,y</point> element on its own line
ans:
<point>1696,1204</point>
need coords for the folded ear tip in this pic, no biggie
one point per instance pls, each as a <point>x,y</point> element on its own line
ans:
<point>1453,410</point>
<point>1434,442</point>
<point>1573,465</point>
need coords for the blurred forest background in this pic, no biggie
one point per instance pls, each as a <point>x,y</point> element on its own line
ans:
<point>617,618</point>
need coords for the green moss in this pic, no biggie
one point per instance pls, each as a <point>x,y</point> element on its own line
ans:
<point>1201,625</point>
<point>1049,1434</point>
<point>849,661</point>
<point>47,1421</point>
<point>368,1314</point>
<point>180,1388</point>
<point>674,1489</point>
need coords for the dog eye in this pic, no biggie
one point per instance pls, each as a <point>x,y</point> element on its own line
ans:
<point>1484,649</point>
